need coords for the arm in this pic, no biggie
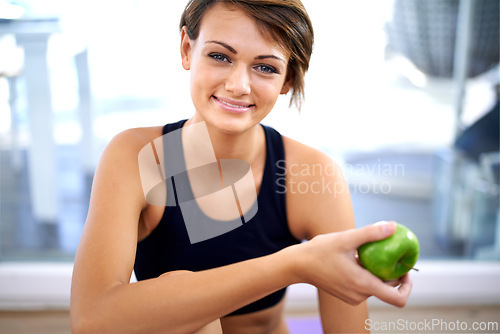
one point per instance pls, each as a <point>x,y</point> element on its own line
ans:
<point>337,316</point>
<point>324,210</point>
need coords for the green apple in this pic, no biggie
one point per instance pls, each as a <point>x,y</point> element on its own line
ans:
<point>391,258</point>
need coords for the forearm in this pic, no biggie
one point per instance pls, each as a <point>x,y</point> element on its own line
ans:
<point>340,317</point>
<point>185,303</point>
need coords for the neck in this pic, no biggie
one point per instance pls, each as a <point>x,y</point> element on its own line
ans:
<point>245,145</point>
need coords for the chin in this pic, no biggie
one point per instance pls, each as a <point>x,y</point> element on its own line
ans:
<point>232,124</point>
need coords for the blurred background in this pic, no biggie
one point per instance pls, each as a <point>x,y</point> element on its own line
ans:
<point>403,94</point>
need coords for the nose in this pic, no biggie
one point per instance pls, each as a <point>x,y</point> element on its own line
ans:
<point>238,81</point>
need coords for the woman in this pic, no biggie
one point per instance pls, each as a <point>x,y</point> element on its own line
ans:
<point>220,277</point>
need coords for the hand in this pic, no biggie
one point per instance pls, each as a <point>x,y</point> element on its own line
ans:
<point>329,262</point>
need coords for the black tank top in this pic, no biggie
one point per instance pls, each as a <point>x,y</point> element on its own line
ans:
<point>168,247</point>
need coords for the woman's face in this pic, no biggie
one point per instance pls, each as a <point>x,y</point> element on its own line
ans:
<point>236,73</point>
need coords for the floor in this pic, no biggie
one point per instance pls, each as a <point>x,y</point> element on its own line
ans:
<point>437,320</point>
<point>49,322</point>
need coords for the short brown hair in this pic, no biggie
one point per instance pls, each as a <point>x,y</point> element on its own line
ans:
<point>284,20</point>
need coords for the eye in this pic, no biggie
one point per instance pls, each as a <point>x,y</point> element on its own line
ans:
<point>266,69</point>
<point>219,57</point>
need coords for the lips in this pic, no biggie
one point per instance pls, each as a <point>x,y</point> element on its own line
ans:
<point>233,103</point>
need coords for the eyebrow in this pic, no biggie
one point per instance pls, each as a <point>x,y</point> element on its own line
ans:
<point>270,56</point>
<point>224,45</point>
<point>236,52</point>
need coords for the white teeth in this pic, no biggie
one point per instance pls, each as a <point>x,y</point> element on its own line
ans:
<point>232,105</point>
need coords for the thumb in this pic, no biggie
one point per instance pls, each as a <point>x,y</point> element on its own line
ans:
<point>374,232</point>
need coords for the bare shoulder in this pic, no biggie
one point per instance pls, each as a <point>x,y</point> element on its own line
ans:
<point>301,157</point>
<point>118,168</point>
<point>318,199</point>
<point>121,153</point>
<point>133,140</point>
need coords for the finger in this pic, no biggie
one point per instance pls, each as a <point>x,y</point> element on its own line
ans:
<point>356,257</point>
<point>393,283</point>
<point>378,231</point>
<point>397,297</point>
<point>406,284</point>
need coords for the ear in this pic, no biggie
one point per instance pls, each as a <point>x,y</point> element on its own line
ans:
<point>287,85</point>
<point>186,45</point>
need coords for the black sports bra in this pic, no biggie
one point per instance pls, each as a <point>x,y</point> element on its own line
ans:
<point>169,248</point>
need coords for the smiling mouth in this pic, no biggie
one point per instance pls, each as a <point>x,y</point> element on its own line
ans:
<point>233,105</point>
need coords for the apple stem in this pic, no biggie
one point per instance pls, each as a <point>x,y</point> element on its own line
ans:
<point>407,266</point>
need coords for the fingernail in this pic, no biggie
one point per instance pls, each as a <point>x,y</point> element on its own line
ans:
<point>387,227</point>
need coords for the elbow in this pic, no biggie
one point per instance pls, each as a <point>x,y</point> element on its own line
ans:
<point>78,329</point>
<point>81,324</point>
<point>86,322</point>
<point>78,326</point>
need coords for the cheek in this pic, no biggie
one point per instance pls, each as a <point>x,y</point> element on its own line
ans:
<point>271,89</point>
<point>199,82</point>
<point>203,78</point>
